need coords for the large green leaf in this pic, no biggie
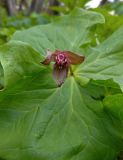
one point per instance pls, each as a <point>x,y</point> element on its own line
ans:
<point>11,55</point>
<point>105,61</point>
<point>41,122</point>
<point>68,32</point>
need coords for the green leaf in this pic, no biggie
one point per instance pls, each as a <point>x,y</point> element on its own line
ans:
<point>68,32</point>
<point>15,64</point>
<point>1,77</point>
<point>105,61</point>
<point>112,23</point>
<point>39,121</point>
<point>114,105</point>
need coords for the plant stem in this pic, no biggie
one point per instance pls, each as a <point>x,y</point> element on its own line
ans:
<point>71,72</point>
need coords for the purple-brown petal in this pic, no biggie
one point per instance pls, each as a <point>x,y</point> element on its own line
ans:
<point>60,73</point>
<point>50,58</point>
<point>46,61</point>
<point>74,58</point>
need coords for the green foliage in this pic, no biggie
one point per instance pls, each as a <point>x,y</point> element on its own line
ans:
<point>82,119</point>
<point>68,5</point>
<point>105,61</point>
<point>68,32</point>
<point>112,23</point>
<point>19,22</point>
<point>117,7</point>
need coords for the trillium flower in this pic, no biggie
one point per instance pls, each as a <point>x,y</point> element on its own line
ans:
<point>62,61</point>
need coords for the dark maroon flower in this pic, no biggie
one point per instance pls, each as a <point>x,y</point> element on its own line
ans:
<point>63,60</point>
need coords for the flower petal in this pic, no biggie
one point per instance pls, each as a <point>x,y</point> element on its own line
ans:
<point>74,58</point>
<point>60,73</point>
<point>50,58</point>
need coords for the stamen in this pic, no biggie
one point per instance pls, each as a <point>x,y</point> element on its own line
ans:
<point>61,59</point>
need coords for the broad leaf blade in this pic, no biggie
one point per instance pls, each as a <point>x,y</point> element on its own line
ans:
<point>17,65</point>
<point>114,105</point>
<point>39,121</point>
<point>105,61</point>
<point>67,33</point>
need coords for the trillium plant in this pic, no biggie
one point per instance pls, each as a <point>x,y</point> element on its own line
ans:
<point>83,119</point>
<point>63,61</point>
